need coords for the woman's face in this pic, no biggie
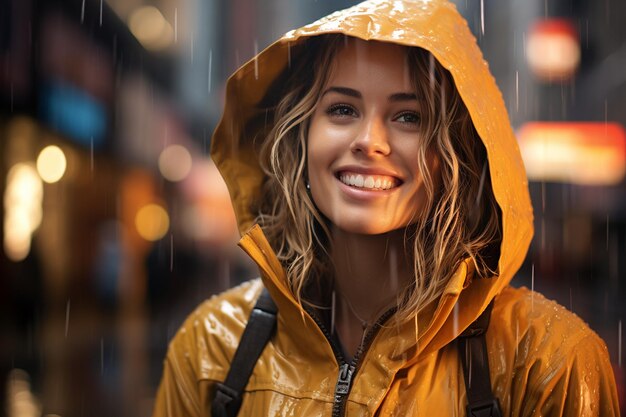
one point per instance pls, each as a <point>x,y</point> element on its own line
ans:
<point>363,142</point>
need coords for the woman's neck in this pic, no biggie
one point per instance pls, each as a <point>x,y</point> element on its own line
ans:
<point>370,272</point>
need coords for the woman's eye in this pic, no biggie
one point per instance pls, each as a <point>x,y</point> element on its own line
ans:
<point>341,110</point>
<point>409,117</point>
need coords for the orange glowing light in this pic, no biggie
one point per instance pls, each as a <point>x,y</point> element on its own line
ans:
<point>553,49</point>
<point>152,222</point>
<point>574,152</point>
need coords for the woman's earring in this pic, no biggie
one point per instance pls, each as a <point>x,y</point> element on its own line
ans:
<point>308,186</point>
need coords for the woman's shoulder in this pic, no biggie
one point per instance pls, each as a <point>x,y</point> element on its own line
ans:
<point>542,355</point>
<point>233,305</point>
<point>209,336</point>
<point>529,313</point>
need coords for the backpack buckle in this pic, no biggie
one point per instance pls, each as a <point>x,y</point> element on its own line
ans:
<point>486,408</point>
<point>224,401</point>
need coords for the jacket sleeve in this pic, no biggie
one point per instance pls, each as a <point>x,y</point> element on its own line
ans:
<point>581,383</point>
<point>179,393</point>
<point>185,390</point>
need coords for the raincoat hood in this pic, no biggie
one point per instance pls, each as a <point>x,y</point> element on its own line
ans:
<point>433,25</point>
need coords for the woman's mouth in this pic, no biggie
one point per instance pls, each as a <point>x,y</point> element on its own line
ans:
<point>368,182</point>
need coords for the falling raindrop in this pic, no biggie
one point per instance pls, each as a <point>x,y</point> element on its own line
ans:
<point>532,288</point>
<point>101,356</point>
<point>543,220</point>
<point>333,305</point>
<point>82,12</point>
<point>481,184</point>
<point>256,60</point>
<point>619,343</point>
<point>482,17</point>
<point>171,252</point>
<point>210,66</point>
<point>607,232</point>
<point>91,153</point>
<point>175,24</point>
<point>431,70</point>
<point>67,317</point>
<point>517,91</point>
<point>101,1</point>
<point>606,116</point>
<point>191,47</point>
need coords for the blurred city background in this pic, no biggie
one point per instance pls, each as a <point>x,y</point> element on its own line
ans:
<point>116,224</point>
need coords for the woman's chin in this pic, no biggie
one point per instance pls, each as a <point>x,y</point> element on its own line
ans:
<point>354,226</point>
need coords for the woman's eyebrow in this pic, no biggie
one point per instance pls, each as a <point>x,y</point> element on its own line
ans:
<point>345,91</point>
<point>357,94</point>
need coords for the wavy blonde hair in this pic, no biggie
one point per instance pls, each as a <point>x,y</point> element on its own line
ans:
<point>460,220</point>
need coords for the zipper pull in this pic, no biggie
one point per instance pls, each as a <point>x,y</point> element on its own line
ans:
<point>343,382</point>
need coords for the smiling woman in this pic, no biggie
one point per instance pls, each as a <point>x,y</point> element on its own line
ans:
<point>379,188</point>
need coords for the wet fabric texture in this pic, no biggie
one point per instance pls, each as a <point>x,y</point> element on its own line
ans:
<point>543,360</point>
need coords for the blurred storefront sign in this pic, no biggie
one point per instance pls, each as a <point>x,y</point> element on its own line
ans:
<point>574,152</point>
<point>77,79</point>
<point>553,49</point>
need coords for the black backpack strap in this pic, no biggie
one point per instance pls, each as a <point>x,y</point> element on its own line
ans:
<point>473,352</point>
<point>257,333</point>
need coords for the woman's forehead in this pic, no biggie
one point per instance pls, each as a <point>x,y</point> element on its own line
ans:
<point>369,62</point>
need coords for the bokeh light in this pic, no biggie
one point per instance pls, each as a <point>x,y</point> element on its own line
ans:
<point>150,28</point>
<point>553,49</point>
<point>23,212</point>
<point>51,164</point>
<point>576,153</point>
<point>20,400</point>
<point>175,163</point>
<point>152,222</point>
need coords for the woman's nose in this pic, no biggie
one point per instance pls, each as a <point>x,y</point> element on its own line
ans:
<point>372,139</point>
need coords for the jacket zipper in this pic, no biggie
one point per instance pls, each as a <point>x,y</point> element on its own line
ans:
<point>347,371</point>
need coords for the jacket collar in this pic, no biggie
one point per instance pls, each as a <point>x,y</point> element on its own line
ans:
<point>399,343</point>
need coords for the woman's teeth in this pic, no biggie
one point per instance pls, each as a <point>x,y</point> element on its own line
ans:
<point>372,182</point>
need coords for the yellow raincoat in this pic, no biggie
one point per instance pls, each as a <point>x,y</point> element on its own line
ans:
<point>543,360</point>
